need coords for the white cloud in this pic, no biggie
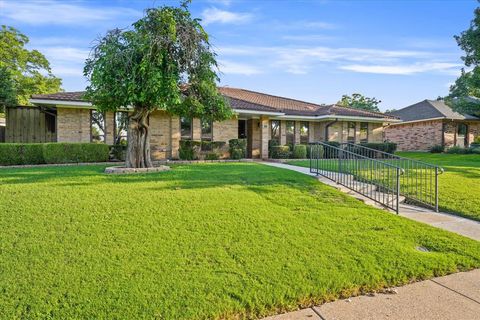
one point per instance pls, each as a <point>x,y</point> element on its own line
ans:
<point>65,54</point>
<point>405,69</point>
<point>222,2</point>
<point>45,12</point>
<point>214,15</point>
<point>307,37</point>
<point>303,59</point>
<point>230,67</point>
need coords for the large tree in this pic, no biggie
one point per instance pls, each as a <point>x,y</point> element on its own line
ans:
<point>359,101</point>
<point>465,92</point>
<point>164,62</point>
<point>28,71</point>
<point>8,94</point>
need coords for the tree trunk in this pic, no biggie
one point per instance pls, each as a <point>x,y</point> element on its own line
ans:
<point>138,150</point>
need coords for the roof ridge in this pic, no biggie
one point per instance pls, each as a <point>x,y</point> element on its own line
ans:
<point>361,110</point>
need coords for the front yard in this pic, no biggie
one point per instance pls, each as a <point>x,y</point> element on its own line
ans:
<point>200,241</point>
<point>459,186</point>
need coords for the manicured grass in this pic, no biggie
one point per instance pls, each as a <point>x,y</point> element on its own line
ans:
<point>459,185</point>
<point>201,241</point>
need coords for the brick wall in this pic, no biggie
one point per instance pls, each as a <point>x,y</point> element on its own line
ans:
<point>160,135</point>
<point>73,125</point>
<point>225,130</point>
<point>419,136</point>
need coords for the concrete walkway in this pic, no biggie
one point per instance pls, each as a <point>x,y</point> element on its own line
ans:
<point>465,227</point>
<point>456,296</point>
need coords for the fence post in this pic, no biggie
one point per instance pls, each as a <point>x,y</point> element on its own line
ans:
<point>398,191</point>
<point>436,189</point>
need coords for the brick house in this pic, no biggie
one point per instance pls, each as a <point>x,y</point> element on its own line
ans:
<point>259,118</point>
<point>429,123</point>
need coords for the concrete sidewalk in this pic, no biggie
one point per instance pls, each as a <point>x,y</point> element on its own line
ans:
<point>455,297</point>
<point>465,227</point>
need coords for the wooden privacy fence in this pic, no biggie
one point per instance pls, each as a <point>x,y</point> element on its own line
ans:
<point>31,124</point>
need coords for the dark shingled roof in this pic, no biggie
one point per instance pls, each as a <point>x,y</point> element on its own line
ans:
<point>430,109</point>
<point>242,99</point>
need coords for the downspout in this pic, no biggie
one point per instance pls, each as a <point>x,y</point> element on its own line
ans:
<point>328,126</point>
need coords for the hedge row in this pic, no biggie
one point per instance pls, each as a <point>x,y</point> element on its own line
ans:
<point>39,153</point>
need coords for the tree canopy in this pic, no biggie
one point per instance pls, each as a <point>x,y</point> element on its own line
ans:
<point>359,101</point>
<point>164,62</point>
<point>24,72</point>
<point>464,94</point>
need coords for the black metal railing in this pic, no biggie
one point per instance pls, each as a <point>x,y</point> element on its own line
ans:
<point>418,184</point>
<point>372,178</point>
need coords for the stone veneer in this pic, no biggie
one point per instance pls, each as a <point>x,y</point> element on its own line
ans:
<point>73,125</point>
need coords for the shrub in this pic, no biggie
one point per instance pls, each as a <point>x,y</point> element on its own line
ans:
<point>299,151</point>
<point>75,152</point>
<point>189,149</point>
<point>437,149</point>
<point>388,147</point>
<point>280,152</point>
<point>456,150</point>
<point>118,152</point>
<point>237,148</point>
<point>21,153</point>
<point>211,156</point>
<point>316,151</point>
<point>271,143</point>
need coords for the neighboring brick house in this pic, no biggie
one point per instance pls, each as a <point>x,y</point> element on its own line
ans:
<point>259,118</point>
<point>429,123</point>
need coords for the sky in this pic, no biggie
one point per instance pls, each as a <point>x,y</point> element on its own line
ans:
<point>399,52</point>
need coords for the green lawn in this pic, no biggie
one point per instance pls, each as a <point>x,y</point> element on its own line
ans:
<point>201,241</point>
<point>459,186</point>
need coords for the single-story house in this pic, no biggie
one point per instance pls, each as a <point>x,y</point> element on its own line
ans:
<point>429,123</point>
<point>259,118</point>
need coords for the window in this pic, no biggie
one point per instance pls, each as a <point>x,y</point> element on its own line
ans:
<point>290,132</point>
<point>462,135</point>
<point>121,128</point>
<point>304,132</point>
<point>97,126</point>
<point>351,132</point>
<point>206,130</point>
<point>185,128</point>
<point>242,129</point>
<point>363,132</point>
<point>275,130</point>
<point>206,135</point>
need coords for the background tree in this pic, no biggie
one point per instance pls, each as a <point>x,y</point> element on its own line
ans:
<point>464,94</point>
<point>359,101</point>
<point>165,62</point>
<point>29,71</point>
<point>8,94</point>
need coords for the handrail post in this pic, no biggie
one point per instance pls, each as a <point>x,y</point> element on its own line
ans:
<point>436,189</point>
<point>398,191</point>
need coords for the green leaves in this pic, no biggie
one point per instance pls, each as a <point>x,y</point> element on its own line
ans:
<point>164,62</point>
<point>29,71</point>
<point>358,101</point>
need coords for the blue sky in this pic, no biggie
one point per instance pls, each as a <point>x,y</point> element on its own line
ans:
<point>400,52</point>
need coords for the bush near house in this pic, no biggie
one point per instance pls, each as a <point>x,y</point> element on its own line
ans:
<point>437,149</point>
<point>388,147</point>
<point>196,149</point>
<point>40,153</point>
<point>21,153</point>
<point>280,152</point>
<point>75,152</point>
<point>299,151</point>
<point>237,148</point>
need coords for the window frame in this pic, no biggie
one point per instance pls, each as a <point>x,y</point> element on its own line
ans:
<point>278,128</point>
<point>289,134</point>
<point>203,136</point>
<point>349,137</point>
<point>185,137</point>
<point>364,140</point>
<point>115,127</point>
<point>304,137</point>
<point>104,135</point>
